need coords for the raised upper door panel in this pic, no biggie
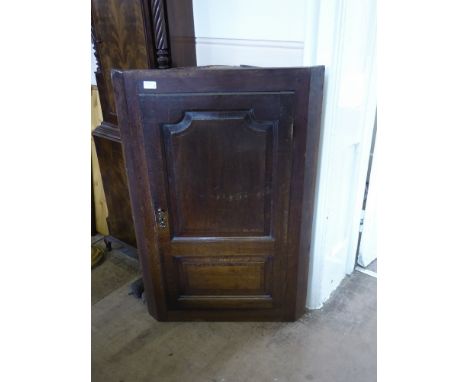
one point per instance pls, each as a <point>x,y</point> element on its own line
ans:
<point>220,173</point>
<point>220,161</point>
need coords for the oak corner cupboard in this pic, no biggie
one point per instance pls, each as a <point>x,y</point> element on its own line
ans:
<point>221,164</point>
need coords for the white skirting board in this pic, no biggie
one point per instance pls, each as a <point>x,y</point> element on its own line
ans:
<point>264,53</point>
<point>366,271</point>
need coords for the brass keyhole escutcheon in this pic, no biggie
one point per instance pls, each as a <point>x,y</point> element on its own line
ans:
<point>161,218</point>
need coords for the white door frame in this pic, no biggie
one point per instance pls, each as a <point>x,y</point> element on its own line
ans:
<point>327,42</point>
<point>368,243</point>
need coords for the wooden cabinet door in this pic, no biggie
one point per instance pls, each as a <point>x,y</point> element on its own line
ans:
<point>209,156</point>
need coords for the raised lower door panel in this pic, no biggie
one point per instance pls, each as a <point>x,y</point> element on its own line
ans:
<point>211,169</point>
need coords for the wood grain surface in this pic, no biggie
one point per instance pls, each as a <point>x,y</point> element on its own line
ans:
<point>100,206</point>
<point>221,164</point>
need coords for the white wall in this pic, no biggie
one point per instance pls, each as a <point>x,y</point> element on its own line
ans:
<point>93,66</point>
<point>250,32</point>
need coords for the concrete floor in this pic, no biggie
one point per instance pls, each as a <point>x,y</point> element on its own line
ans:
<point>334,344</point>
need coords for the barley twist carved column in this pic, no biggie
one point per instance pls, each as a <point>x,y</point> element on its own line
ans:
<point>160,34</point>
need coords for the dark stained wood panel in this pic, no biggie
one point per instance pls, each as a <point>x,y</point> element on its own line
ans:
<point>232,198</point>
<point>224,275</point>
<point>249,134</point>
<point>114,179</point>
<point>120,40</point>
<point>181,33</point>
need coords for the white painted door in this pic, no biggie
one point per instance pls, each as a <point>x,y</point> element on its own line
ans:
<point>368,245</point>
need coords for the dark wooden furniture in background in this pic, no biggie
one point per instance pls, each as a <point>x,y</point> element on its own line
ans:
<point>221,165</point>
<point>132,34</point>
<point>93,210</point>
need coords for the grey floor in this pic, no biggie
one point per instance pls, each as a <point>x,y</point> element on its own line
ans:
<point>372,266</point>
<point>336,343</point>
